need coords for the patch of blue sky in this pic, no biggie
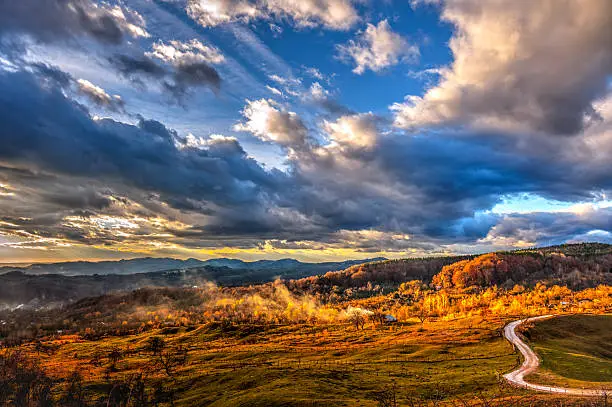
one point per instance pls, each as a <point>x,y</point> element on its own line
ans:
<point>527,203</point>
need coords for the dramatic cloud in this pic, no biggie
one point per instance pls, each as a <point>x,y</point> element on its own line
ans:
<point>191,64</point>
<point>267,121</point>
<point>519,65</point>
<point>99,96</point>
<point>332,14</point>
<point>541,228</point>
<point>192,52</point>
<point>357,131</point>
<point>188,76</point>
<point>52,20</point>
<point>330,178</point>
<point>367,240</point>
<point>377,48</point>
<point>53,77</point>
<point>138,69</point>
<point>49,132</point>
<point>362,187</point>
<point>429,185</point>
<point>180,73</point>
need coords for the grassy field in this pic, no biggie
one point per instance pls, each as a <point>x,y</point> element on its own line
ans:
<point>302,365</point>
<point>443,361</point>
<point>576,351</point>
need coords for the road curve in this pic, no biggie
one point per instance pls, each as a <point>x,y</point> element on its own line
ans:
<point>532,362</point>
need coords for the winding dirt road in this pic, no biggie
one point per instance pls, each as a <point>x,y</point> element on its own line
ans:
<point>532,362</point>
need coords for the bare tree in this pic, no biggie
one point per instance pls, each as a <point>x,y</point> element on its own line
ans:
<point>387,397</point>
<point>74,396</point>
<point>357,319</point>
<point>169,359</point>
<point>114,356</point>
<point>422,313</point>
<point>378,317</point>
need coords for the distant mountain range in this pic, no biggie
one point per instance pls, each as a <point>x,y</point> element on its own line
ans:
<point>151,264</point>
<point>42,285</point>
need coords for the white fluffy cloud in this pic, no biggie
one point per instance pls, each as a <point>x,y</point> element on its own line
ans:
<point>267,121</point>
<point>376,48</point>
<point>98,95</point>
<point>525,64</point>
<point>332,14</point>
<point>358,131</point>
<point>130,21</point>
<point>318,92</point>
<point>183,53</point>
<point>274,90</point>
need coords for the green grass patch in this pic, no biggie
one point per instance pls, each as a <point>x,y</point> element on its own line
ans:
<point>577,348</point>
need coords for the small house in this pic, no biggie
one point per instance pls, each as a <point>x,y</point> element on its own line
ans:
<point>390,319</point>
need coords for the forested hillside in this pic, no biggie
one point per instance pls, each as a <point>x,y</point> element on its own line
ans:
<point>577,266</point>
<point>527,269</point>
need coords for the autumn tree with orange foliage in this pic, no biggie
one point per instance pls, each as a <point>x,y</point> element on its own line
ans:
<point>484,270</point>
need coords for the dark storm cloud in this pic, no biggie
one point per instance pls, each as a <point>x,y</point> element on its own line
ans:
<point>435,185</point>
<point>40,200</point>
<point>52,20</point>
<point>187,76</point>
<point>429,186</point>
<point>133,67</point>
<point>78,198</point>
<point>157,128</point>
<point>52,76</point>
<point>180,81</point>
<point>554,228</point>
<point>56,76</point>
<point>45,129</point>
<point>413,185</point>
<point>40,204</point>
<point>464,169</point>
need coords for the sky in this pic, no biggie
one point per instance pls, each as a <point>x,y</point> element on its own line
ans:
<point>314,129</point>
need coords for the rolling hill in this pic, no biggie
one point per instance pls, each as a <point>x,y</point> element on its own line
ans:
<point>43,285</point>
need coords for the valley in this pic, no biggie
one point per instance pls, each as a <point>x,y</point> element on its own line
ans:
<point>369,335</point>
